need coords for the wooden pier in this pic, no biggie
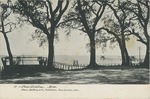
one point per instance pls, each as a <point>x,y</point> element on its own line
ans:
<point>39,63</point>
<point>30,64</point>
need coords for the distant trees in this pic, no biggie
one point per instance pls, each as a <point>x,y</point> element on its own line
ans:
<point>6,26</point>
<point>85,16</point>
<point>45,16</point>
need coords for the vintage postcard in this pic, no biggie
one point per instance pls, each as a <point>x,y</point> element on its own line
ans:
<point>74,49</point>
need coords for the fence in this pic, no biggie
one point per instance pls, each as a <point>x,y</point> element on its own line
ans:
<point>68,66</point>
<point>25,61</point>
<point>42,61</point>
<point>38,61</point>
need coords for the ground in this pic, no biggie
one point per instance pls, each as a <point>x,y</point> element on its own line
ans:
<point>101,76</point>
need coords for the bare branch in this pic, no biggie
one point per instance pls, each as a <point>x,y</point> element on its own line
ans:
<point>47,11</point>
<point>58,6</point>
<point>99,15</point>
<point>138,36</point>
<point>62,12</point>
<point>106,29</point>
<point>65,21</point>
<point>50,7</point>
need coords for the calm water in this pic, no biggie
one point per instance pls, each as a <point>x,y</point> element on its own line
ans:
<point>84,60</point>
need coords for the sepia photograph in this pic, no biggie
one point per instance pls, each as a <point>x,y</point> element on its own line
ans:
<point>81,42</point>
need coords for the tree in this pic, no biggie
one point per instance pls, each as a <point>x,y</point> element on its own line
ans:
<point>43,15</point>
<point>117,25</point>
<point>141,9</point>
<point>6,26</point>
<point>85,16</point>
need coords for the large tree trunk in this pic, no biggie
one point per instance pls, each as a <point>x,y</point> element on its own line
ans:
<point>8,49</point>
<point>126,61</point>
<point>127,58</point>
<point>124,54</point>
<point>50,65</point>
<point>92,63</point>
<point>146,59</point>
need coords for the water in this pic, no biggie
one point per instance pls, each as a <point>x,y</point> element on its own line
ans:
<point>84,60</point>
<point>101,60</point>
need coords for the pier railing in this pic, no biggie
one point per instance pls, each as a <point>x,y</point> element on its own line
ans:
<point>38,61</point>
<point>25,61</point>
<point>42,61</point>
<point>64,66</point>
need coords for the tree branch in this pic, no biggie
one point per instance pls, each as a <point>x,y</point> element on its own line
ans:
<point>47,11</point>
<point>98,17</point>
<point>91,7</point>
<point>115,13</point>
<point>50,7</point>
<point>10,25</point>
<point>134,11</point>
<point>58,6</point>
<point>140,11</point>
<point>138,36</point>
<point>110,32</point>
<point>148,12</point>
<point>83,18</point>
<point>62,12</point>
<point>65,21</point>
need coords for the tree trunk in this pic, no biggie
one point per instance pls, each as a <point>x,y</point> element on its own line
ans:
<point>146,59</point>
<point>127,58</point>
<point>124,48</point>
<point>124,54</point>
<point>92,52</point>
<point>50,65</point>
<point>8,49</point>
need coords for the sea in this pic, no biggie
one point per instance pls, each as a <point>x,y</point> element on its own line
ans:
<point>84,60</point>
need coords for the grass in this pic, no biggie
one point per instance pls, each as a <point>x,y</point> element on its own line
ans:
<point>86,76</point>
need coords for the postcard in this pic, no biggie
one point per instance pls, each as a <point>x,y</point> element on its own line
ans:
<point>74,49</point>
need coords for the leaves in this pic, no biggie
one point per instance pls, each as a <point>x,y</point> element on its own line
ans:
<point>42,15</point>
<point>40,37</point>
<point>6,26</point>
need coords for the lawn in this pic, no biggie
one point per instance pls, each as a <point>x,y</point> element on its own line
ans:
<point>100,76</point>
